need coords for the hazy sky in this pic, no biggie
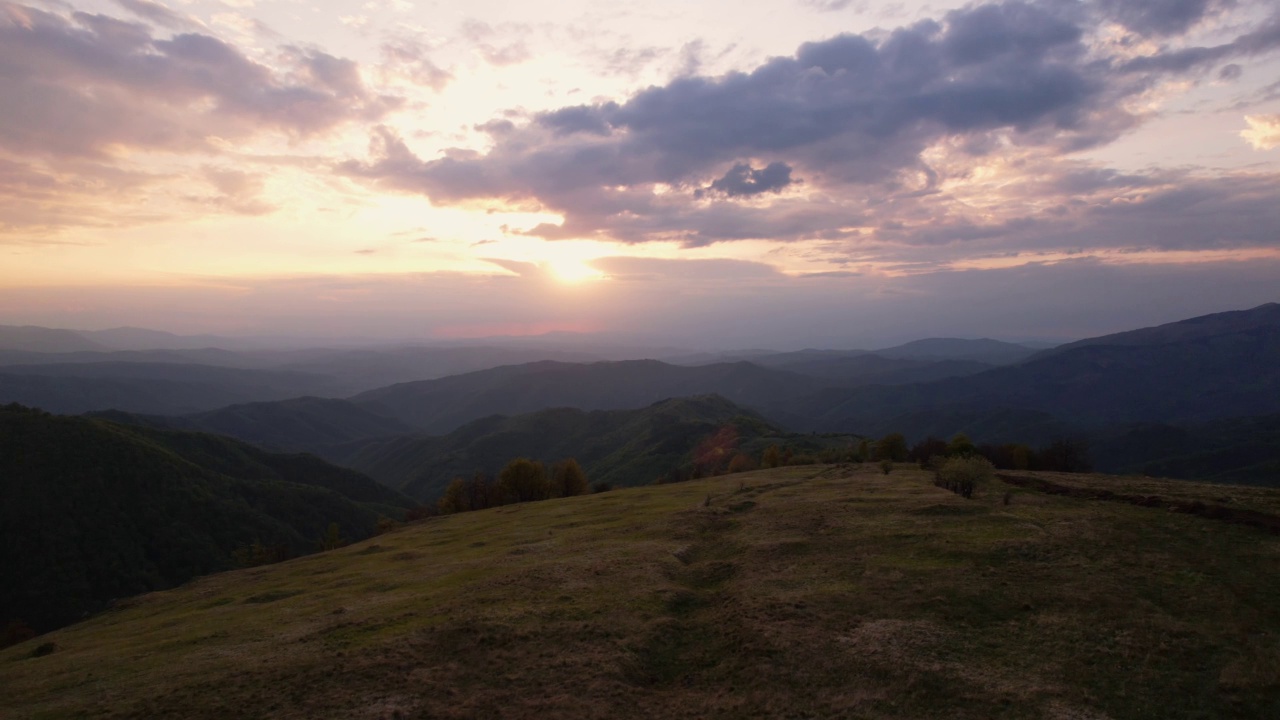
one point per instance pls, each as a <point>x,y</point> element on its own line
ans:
<point>717,174</point>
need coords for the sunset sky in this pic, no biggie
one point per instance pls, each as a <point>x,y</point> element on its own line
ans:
<point>826,173</point>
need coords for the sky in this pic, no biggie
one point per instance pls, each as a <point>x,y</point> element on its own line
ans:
<point>791,173</point>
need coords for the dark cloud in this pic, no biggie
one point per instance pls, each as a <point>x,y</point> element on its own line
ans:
<point>1230,72</point>
<point>1161,17</point>
<point>744,180</point>
<point>1264,39</point>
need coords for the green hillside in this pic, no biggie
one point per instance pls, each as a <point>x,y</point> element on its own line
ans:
<point>305,424</point>
<point>619,447</point>
<point>815,592</point>
<point>91,511</point>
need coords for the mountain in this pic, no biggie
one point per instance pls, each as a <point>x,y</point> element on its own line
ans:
<point>305,424</point>
<point>91,511</point>
<point>1203,369</point>
<point>440,406</point>
<point>875,369</point>
<point>367,369</point>
<point>1204,327</point>
<point>157,388</point>
<point>800,592</point>
<point>990,352</point>
<point>29,338</point>
<point>1234,450</point>
<point>619,447</point>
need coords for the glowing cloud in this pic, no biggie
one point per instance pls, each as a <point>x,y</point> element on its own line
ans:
<point>1263,132</point>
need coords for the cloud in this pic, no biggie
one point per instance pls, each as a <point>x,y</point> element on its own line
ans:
<point>854,114</point>
<point>238,191</point>
<point>1161,17</point>
<point>92,90</point>
<point>626,268</point>
<point>954,133</point>
<point>90,83</point>
<point>744,180</point>
<point>1263,132</point>
<point>160,14</point>
<point>410,59</point>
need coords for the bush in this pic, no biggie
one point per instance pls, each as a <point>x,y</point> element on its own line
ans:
<point>601,487</point>
<point>964,475</point>
<point>886,466</point>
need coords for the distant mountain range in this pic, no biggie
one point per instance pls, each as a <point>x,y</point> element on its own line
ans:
<point>1207,368</point>
<point>92,510</point>
<point>1190,375</point>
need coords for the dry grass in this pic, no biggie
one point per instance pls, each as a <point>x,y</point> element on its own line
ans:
<point>799,592</point>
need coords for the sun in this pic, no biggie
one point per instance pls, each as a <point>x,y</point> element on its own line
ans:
<point>573,272</point>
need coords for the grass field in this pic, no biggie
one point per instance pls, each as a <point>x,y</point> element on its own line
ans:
<point>804,592</point>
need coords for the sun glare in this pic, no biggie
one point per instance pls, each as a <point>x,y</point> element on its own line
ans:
<point>573,272</point>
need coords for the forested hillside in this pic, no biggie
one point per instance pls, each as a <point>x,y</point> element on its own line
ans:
<point>91,511</point>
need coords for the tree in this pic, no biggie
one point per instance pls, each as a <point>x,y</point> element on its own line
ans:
<point>741,462</point>
<point>772,457</point>
<point>454,499</point>
<point>332,538</point>
<point>926,450</point>
<point>524,480</point>
<point>960,446</point>
<point>892,447</point>
<point>481,492</point>
<point>864,451</point>
<point>568,479</point>
<point>964,475</point>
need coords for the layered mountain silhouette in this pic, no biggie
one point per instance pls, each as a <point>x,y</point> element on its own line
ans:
<point>440,406</point>
<point>1193,371</point>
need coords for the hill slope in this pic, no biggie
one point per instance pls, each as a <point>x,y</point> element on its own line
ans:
<point>440,406</point>
<point>305,424</point>
<point>91,510</point>
<point>807,592</point>
<point>619,447</point>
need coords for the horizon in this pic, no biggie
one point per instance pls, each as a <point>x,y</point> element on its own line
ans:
<point>816,174</point>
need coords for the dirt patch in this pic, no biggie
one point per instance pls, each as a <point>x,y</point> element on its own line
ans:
<point>1234,516</point>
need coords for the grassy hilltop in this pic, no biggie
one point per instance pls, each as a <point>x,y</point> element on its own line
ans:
<point>823,591</point>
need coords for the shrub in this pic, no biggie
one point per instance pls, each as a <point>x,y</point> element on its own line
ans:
<point>601,486</point>
<point>886,466</point>
<point>964,475</point>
